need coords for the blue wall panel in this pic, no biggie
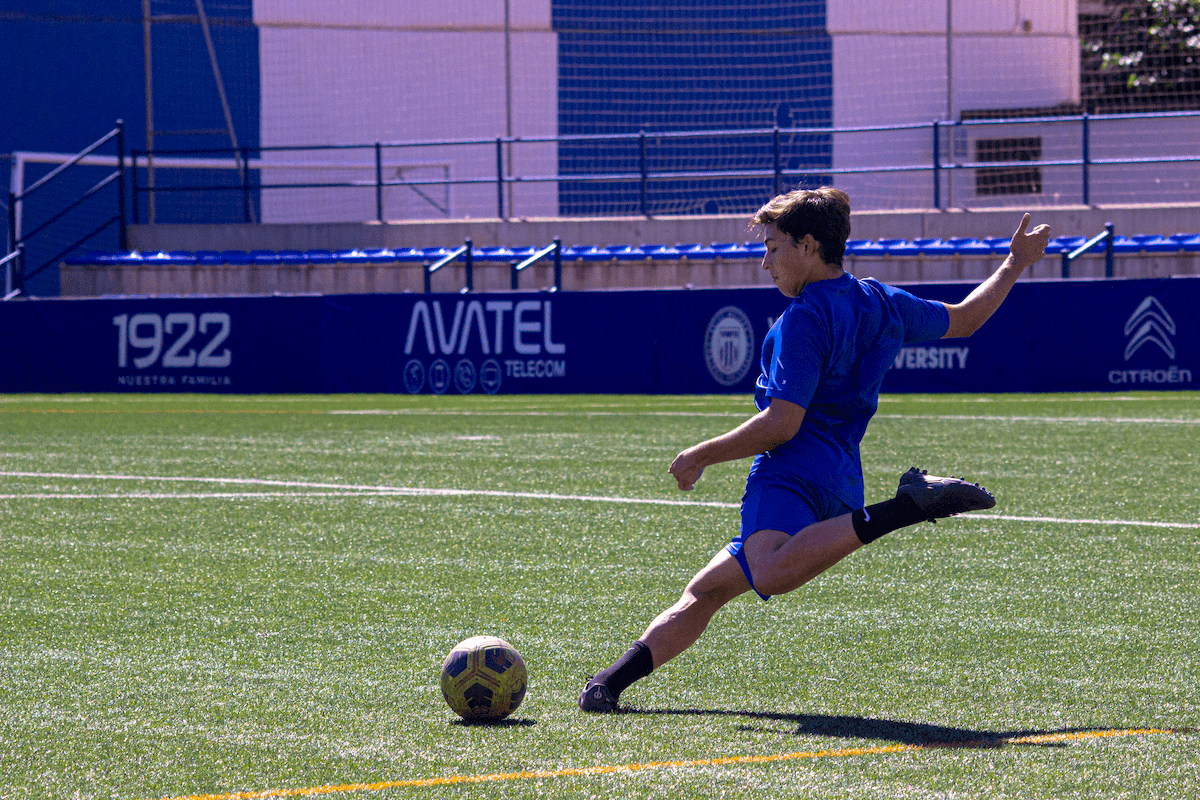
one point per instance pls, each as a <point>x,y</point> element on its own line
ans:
<point>1065,336</point>
<point>72,68</point>
<point>1049,336</point>
<point>683,65</point>
<point>227,344</point>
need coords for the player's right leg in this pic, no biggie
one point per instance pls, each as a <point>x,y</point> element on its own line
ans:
<point>781,563</point>
<point>920,497</point>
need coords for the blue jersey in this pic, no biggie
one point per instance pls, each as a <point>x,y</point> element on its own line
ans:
<point>828,353</point>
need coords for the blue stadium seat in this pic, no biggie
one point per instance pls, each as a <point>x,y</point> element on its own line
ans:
<point>492,254</point>
<point>626,252</point>
<point>856,247</point>
<point>1065,244</point>
<point>900,247</point>
<point>378,255</point>
<point>291,257</point>
<point>937,247</point>
<point>730,250</point>
<point>973,247</point>
<point>592,253</point>
<point>663,253</point>
<point>967,246</point>
<point>1123,244</point>
<point>1157,244</point>
<point>236,257</point>
<point>408,254</point>
<point>319,256</point>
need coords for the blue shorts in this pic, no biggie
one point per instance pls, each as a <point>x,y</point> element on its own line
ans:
<point>778,500</point>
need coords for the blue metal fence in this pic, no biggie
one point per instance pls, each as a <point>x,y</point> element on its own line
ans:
<point>778,162</point>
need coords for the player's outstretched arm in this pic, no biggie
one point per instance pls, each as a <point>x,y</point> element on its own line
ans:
<point>1026,249</point>
<point>769,428</point>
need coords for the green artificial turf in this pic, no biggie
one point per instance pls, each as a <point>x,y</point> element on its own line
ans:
<point>218,595</point>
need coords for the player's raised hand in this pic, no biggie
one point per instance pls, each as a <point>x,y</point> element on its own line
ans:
<point>1027,247</point>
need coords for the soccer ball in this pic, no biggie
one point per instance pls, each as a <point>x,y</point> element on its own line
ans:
<point>484,678</point>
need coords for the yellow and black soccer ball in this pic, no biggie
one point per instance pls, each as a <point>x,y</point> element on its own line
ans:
<point>484,678</point>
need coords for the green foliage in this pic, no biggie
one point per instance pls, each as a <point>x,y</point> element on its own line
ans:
<point>205,595</point>
<point>1142,55</point>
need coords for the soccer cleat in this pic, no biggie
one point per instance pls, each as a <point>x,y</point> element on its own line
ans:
<point>943,497</point>
<point>596,698</point>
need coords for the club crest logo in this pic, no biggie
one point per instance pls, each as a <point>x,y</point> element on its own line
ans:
<point>729,345</point>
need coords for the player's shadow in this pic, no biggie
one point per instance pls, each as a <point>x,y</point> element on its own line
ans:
<point>888,730</point>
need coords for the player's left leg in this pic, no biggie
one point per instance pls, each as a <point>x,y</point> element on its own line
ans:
<point>671,632</point>
<point>678,628</point>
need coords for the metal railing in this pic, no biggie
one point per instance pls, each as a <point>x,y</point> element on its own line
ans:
<point>555,250</point>
<point>771,149</point>
<point>466,252</point>
<point>1106,237</point>
<point>648,167</point>
<point>468,256</point>
<point>16,273</point>
<point>12,265</point>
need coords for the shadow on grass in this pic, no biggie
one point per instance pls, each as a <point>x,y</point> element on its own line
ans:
<point>494,723</point>
<point>915,733</point>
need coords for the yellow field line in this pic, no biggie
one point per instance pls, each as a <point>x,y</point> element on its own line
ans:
<point>450,780</point>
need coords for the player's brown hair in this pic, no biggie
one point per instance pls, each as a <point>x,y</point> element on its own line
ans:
<point>823,212</point>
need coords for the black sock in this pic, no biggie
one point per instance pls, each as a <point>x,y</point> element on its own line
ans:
<point>891,515</point>
<point>636,664</point>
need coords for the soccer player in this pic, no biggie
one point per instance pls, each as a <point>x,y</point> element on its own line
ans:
<point>822,364</point>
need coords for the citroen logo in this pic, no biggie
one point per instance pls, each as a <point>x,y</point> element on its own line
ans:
<point>1150,324</point>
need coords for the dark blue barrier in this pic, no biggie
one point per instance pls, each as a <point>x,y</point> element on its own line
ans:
<point>221,344</point>
<point>1049,336</point>
<point>1065,336</point>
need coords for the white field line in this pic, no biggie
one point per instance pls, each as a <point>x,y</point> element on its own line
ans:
<point>445,412</point>
<point>1065,521</point>
<point>403,491</point>
<point>1055,420</point>
<point>358,490</point>
<point>749,413</point>
<point>186,495</point>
